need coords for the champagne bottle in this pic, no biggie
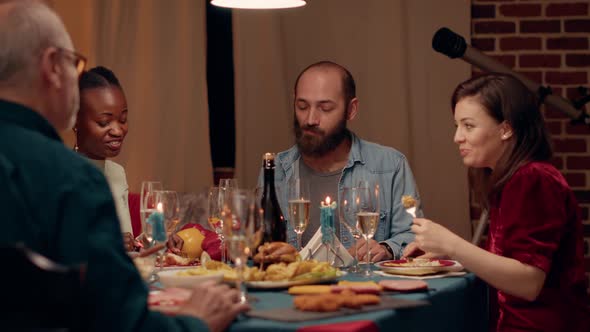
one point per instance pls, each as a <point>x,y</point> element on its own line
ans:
<point>275,227</point>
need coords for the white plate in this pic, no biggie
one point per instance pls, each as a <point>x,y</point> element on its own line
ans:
<point>178,267</point>
<point>170,278</point>
<point>446,265</point>
<point>289,283</point>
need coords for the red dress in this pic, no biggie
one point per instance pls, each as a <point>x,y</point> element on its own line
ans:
<point>537,222</point>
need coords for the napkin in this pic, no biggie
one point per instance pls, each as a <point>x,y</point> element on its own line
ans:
<point>338,257</point>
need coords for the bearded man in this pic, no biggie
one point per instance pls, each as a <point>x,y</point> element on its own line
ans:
<point>327,157</point>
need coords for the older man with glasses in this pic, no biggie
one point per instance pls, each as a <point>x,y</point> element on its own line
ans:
<point>57,203</point>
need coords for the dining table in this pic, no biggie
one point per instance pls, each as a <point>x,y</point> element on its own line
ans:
<point>457,303</point>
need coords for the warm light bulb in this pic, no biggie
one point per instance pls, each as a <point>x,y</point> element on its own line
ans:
<point>258,4</point>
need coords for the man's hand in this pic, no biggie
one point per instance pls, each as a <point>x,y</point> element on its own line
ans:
<point>215,304</point>
<point>175,244</point>
<point>378,253</point>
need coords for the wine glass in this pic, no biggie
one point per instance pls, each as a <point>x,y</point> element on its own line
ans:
<point>170,209</point>
<point>238,230</point>
<point>256,223</point>
<point>368,216</point>
<point>348,207</point>
<point>299,200</point>
<point>216,201</point>
<point>146,187</point>
<point>168,204</point>
<point>158,204</point>
<point>228,183</point>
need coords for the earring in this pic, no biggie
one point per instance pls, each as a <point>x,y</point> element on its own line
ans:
<point>76,148</point>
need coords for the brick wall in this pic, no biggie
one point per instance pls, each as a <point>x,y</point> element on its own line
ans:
<point>548,41</point>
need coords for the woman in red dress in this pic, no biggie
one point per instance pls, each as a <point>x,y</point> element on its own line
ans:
<point>534,257</point>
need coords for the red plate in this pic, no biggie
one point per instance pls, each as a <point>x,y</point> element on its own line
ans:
<point>402,266</point>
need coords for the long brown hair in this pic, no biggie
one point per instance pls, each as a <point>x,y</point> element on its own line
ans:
<point>505,98</point>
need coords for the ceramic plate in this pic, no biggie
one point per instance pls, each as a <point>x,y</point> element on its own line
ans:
<point>171,278</point>
<point>289,283</point>
<point>419,266</point>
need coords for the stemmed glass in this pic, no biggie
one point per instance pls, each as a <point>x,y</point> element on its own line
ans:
<point>154,231</point>
<point>348,207</point>
<point>299,199</point>
<point>368,216</point>
<point>168,204</point>
<point>228,183</point>
<point>256,223</point>
<point>216,201</point>
<point>238,230</point>
<point>145,209</point>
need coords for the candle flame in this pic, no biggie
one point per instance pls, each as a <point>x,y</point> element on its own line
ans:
<point>160,207</point>
<point>328,200</point>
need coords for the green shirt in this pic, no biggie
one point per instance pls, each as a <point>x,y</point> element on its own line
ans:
<point>60,205</point>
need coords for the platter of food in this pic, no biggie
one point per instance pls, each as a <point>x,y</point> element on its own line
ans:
<point>305,279</point>
<point>418,266</point>
<point>277,275</point>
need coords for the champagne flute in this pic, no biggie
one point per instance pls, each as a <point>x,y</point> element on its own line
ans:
<point>238,230</point>
<point>145,210</point>
<point>299,201</point>
<point>368,216</point>
<point>168,204</point>
<point>216,201</point>
<point>170,209</point>
<point>256,223</point>
<point>228,183</point>
<point>348,207</point>
<point>155,228</point>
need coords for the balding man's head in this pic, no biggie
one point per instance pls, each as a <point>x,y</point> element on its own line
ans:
<point>26,28</point>
<point>348,85</point>
<point>38,67</point>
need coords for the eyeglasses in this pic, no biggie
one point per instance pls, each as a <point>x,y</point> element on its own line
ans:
<point>79,60</point>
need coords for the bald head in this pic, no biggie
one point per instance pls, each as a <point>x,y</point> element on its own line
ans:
<point>348,86</point>
<point>38,65</point>
<point>27,27</point>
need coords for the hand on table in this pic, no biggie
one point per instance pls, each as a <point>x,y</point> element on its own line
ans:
<point>215,304</point>
<point>175,243</point>
<point>378,253</point>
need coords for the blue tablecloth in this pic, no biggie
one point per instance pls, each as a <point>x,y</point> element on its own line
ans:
<point>456,304</point>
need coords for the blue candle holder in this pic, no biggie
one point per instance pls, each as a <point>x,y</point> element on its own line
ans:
<point>156,220</point>
<point>327,225</point>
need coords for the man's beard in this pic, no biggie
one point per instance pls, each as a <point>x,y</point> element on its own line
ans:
<point>322,143</point>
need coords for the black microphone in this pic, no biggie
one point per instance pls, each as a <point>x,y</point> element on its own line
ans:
<point>454,46</point>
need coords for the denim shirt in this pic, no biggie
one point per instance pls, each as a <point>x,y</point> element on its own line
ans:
<point>383,165</point>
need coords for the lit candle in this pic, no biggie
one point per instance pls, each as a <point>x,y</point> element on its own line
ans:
<point>160,207</point>
<point>327,219</point>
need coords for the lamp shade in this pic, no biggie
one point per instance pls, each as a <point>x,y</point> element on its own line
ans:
<point>258,4</point>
